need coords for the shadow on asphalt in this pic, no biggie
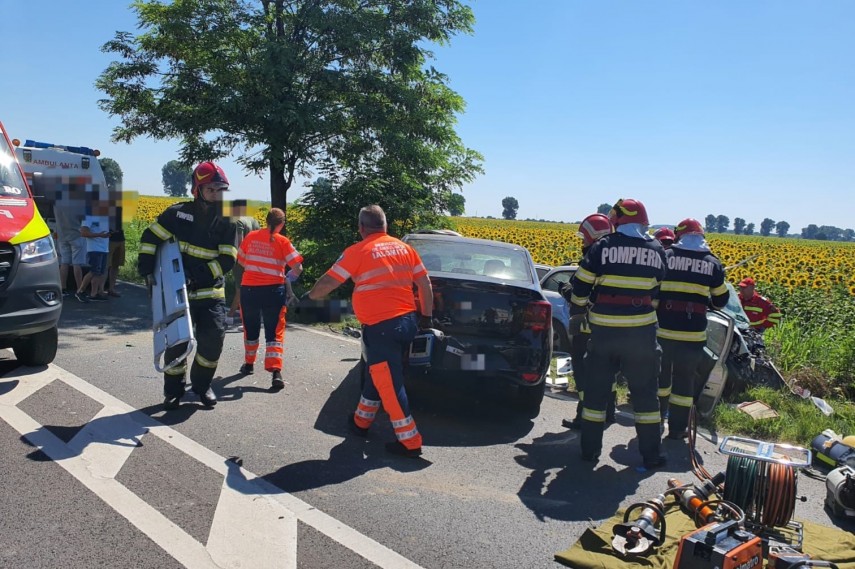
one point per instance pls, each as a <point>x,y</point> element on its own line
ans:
<point>116,317</point>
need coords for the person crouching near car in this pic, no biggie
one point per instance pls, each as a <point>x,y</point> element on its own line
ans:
<point>264,254</point>
<point>208,252</point>
<point>694,280</point>
<point>383,270</point>
<point>619,277</point>
<point>591,230</point>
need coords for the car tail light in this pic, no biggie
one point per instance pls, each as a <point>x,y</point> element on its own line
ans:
<point>538,316</point>
<point>530,376</point>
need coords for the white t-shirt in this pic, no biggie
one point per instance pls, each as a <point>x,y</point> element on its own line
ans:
<point>97,224</point>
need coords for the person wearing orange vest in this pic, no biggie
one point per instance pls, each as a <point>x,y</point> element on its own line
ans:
<point>383,270</point>
<point>760,311</point>
<point>264,254</point>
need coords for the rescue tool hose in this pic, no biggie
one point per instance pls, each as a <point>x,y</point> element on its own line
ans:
<point>765,491</point>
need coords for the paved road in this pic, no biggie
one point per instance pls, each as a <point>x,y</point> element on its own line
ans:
<point>95,474</point>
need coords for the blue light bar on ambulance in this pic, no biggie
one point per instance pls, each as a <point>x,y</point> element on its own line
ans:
<point>86,151</point>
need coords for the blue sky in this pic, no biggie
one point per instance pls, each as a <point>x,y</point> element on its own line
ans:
<point>745,109</point>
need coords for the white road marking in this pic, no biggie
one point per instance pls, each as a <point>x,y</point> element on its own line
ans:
<point>242,521</point>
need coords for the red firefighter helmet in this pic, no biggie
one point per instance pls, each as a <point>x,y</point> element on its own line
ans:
<point>689,226</point>
<point>208,173</point>
<point>593,227</point>
<point>664,234</point>
<point>628,211</point>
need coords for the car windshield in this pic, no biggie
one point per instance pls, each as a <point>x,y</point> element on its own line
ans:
<point>734,308</point>
<point>468,258</point>
<point>11,182</point>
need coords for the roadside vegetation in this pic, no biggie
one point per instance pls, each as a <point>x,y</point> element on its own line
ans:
<point>812,282</point>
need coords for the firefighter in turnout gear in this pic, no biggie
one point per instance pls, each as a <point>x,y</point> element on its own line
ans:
<point>620,274</point>
<point>384,270</point>
<point>264,254</point>
<point>694,280</point>
<point>206,240</point>
<point>665,235</point>
<point>591,229</point>
<point>760,311</point>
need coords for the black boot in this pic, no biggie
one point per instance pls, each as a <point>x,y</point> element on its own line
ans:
<point>207,398</point>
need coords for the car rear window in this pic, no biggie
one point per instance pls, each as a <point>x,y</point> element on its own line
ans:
<point>462,257</point>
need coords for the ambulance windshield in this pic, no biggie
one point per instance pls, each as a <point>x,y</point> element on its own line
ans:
<point>11,182</point>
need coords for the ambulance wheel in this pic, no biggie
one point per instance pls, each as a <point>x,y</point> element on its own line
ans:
<point>38,349</point>
<point>529,398</point>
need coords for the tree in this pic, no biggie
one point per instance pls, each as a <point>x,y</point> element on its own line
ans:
<point>509,208</point>
<point>340,88</point>
<point>848,234</point>
<point>810,231</point>
<point>176,178</point>
<point>781,228</point>
<point>604,208</point>
<point>749,229</point>
<point>710,223</point>
<point>738,225</point>
<point>766,227</point>
<point>112,173</point>
<point>721,223</point>
<point>456,205</point>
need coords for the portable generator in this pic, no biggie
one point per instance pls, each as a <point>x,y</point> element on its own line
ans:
<point>720,545</point>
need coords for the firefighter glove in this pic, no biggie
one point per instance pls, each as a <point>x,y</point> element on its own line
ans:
<point>577,322</point>
<point>565,290</point>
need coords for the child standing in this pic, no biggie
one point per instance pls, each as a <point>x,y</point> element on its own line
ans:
<point>96,229</point>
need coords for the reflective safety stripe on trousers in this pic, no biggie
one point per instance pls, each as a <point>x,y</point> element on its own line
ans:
<point>405,427</point>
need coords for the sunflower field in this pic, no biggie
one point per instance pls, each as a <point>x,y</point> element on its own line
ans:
<point>812,282</point>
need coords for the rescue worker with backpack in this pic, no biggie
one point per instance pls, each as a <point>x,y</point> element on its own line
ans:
<point>591,229</point>
<point>620,276</point>
<point>693,281</point>
<point>206,240</point>
<point>384,270</point>
<point>264,254</point>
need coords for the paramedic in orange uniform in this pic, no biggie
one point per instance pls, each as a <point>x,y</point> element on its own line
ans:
<point>383,270</point>
<point>264,254</point>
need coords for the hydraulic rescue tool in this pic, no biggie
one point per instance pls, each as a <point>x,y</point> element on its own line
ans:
<point>840,492</point>
<point>169,305</point>
<point>720,545</point>
<point>694,500</point>
<point>644,532</point>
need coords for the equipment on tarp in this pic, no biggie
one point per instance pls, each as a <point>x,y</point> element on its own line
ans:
<point>639,536</point>
<point>840,491</point>
<point>695,500</point>
<point>761,478</point>
<point>720,545</point>
<point>830,448</point>
<point>170,307</point>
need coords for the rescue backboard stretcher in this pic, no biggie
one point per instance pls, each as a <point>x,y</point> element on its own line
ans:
<point>170,307</point>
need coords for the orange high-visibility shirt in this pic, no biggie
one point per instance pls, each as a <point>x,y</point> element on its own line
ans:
<point>264,259</point>
<point>383,270</point>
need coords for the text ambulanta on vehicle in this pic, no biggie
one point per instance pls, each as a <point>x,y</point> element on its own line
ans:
<point>30,292</point>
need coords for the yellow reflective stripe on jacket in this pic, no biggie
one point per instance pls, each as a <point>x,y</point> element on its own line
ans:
<point>198,252</point>
<point>206,293</point>
<point>622,320</point>
<point>663,392</point>
<point>636,283</point>
<point>719,290</point>
<point>148,248</point>
<point>681,335</point>
<point>689,288</point>
<point>216,270</point>
<point>585,275</point>
<point>226,249</point>
<point>651,418</point>
<point>160,231</point>
<point>579,300</point>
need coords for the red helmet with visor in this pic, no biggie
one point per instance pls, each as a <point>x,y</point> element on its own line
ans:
<point>593,227</point>
<point>628,211</point>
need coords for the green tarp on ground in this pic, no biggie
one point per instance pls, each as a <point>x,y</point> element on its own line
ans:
<point>594,549</point>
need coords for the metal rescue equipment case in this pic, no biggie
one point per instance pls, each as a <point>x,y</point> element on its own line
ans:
<point>169,305</point>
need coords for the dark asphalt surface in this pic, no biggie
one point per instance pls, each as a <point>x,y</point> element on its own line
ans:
<point>493,489</point>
